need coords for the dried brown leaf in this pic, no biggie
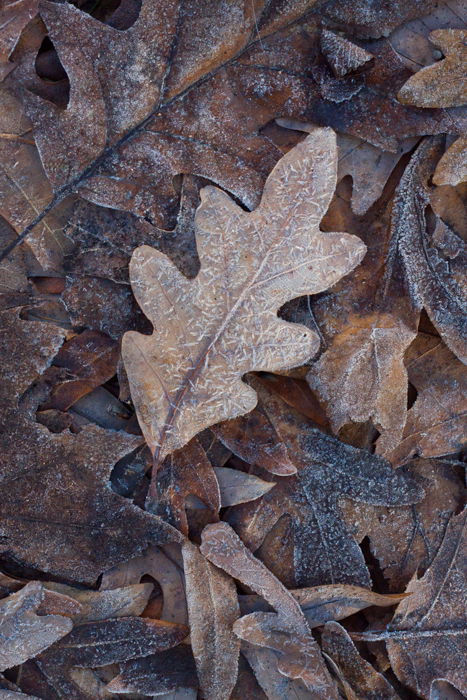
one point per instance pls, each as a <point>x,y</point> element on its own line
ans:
<point>342,55</point>
<point>321,604</point>
<point>14,16</point>
<point>322,547</point>
<point>24,634</point>
<point>163,569</point>
<point>195,356</point>
<point>287,631</point>
<point>157,674</point>
<point>213,609</point>
<point>238,487</point>
<point>429,278</point>
<point>359,679</point>
<point>452,167</point>
<point>443,84</point>
<point>96,644</point>
<point>436,423</point>
<point>426,639</point>
<point>186,472</point>
<point>58,512</point>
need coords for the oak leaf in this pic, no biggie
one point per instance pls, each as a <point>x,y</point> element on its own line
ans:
<point>429,276</point>
<point>442,84</point>
<point>323,550</point>
<point>14,16</point>
<point>24,633</point>
<point>426,638</point>
<point>452,167</point>
<point>215,647</point>
<point>436,422</point>
<point>96,644</point>
<point>358,677</point>
<point>210,331</point>
<point>61,480</point>
<point>286,631</point>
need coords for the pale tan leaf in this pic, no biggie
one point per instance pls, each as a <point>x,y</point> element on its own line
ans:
<point>444,84</point>
<point>452,167</point>
<point>101,605</point>
<point>286,631</point>
<point>238,487</point>
<point>213,609</point>
<point>23,633</point>
<point>342,55</point>
<point>211,330</point>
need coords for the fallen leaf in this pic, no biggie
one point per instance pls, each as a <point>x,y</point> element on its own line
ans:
<point>323,549</point>
<point>429,280</point>
<point>14,16</point>
<point>88,360</point>
<point>321,604</point>
<point>187,471</point>
<point>24,188</point>
<point>342,55</point>
<point>199,324</point>
<point>264,661</point>
<point>212,609</point>
<point>24,634</point>
<point>253,438</point>
<point>287,631</point>
<point>442,84</point>
<point>95,644</point>
<point>426,638</point>
<point>61,480</point>
<point>405,540</point>
<point>358,677</point>
<point>237,487</point>
<point>368,19</point>
<point>436,422</point>
<point>452,168</point>
<point>157,674</point>
<point>101,605</point>
<point>163,569</point>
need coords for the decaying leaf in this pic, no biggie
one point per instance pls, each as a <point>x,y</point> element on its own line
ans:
<point>163,569</point>
<point>237,487</point>
<point>101,605</point>
<point>14,16</point>
<point>213,609</point>
<point>436,423</point>
<point>23,633</point>
<point>342,55</point>
<point>442,84</point>
<point>157,674</point>
<point>452,168</point>
<point>286,631</point>
<point>429,279</point>
<point>61,482</point>
<point>405,540</point>
<point>358,677</point>
<point>321,604</point>
<point>95,644</point>
<point>211,330</point>
<point>323,549</point>
<point>187,471</point>
<point>24,188</point>
<point>426,639</point>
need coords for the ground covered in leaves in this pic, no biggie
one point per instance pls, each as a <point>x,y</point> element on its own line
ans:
<point>233,328</point>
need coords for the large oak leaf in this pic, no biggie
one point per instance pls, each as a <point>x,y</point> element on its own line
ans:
<point>58,511</point>
<point>211,330</point>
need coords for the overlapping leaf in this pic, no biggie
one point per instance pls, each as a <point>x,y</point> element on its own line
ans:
<point>210,331</point>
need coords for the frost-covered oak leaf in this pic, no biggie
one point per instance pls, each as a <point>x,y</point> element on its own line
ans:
<point>210,330</point>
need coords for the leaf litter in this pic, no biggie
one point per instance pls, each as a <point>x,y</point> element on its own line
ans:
<point>232,439</point>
